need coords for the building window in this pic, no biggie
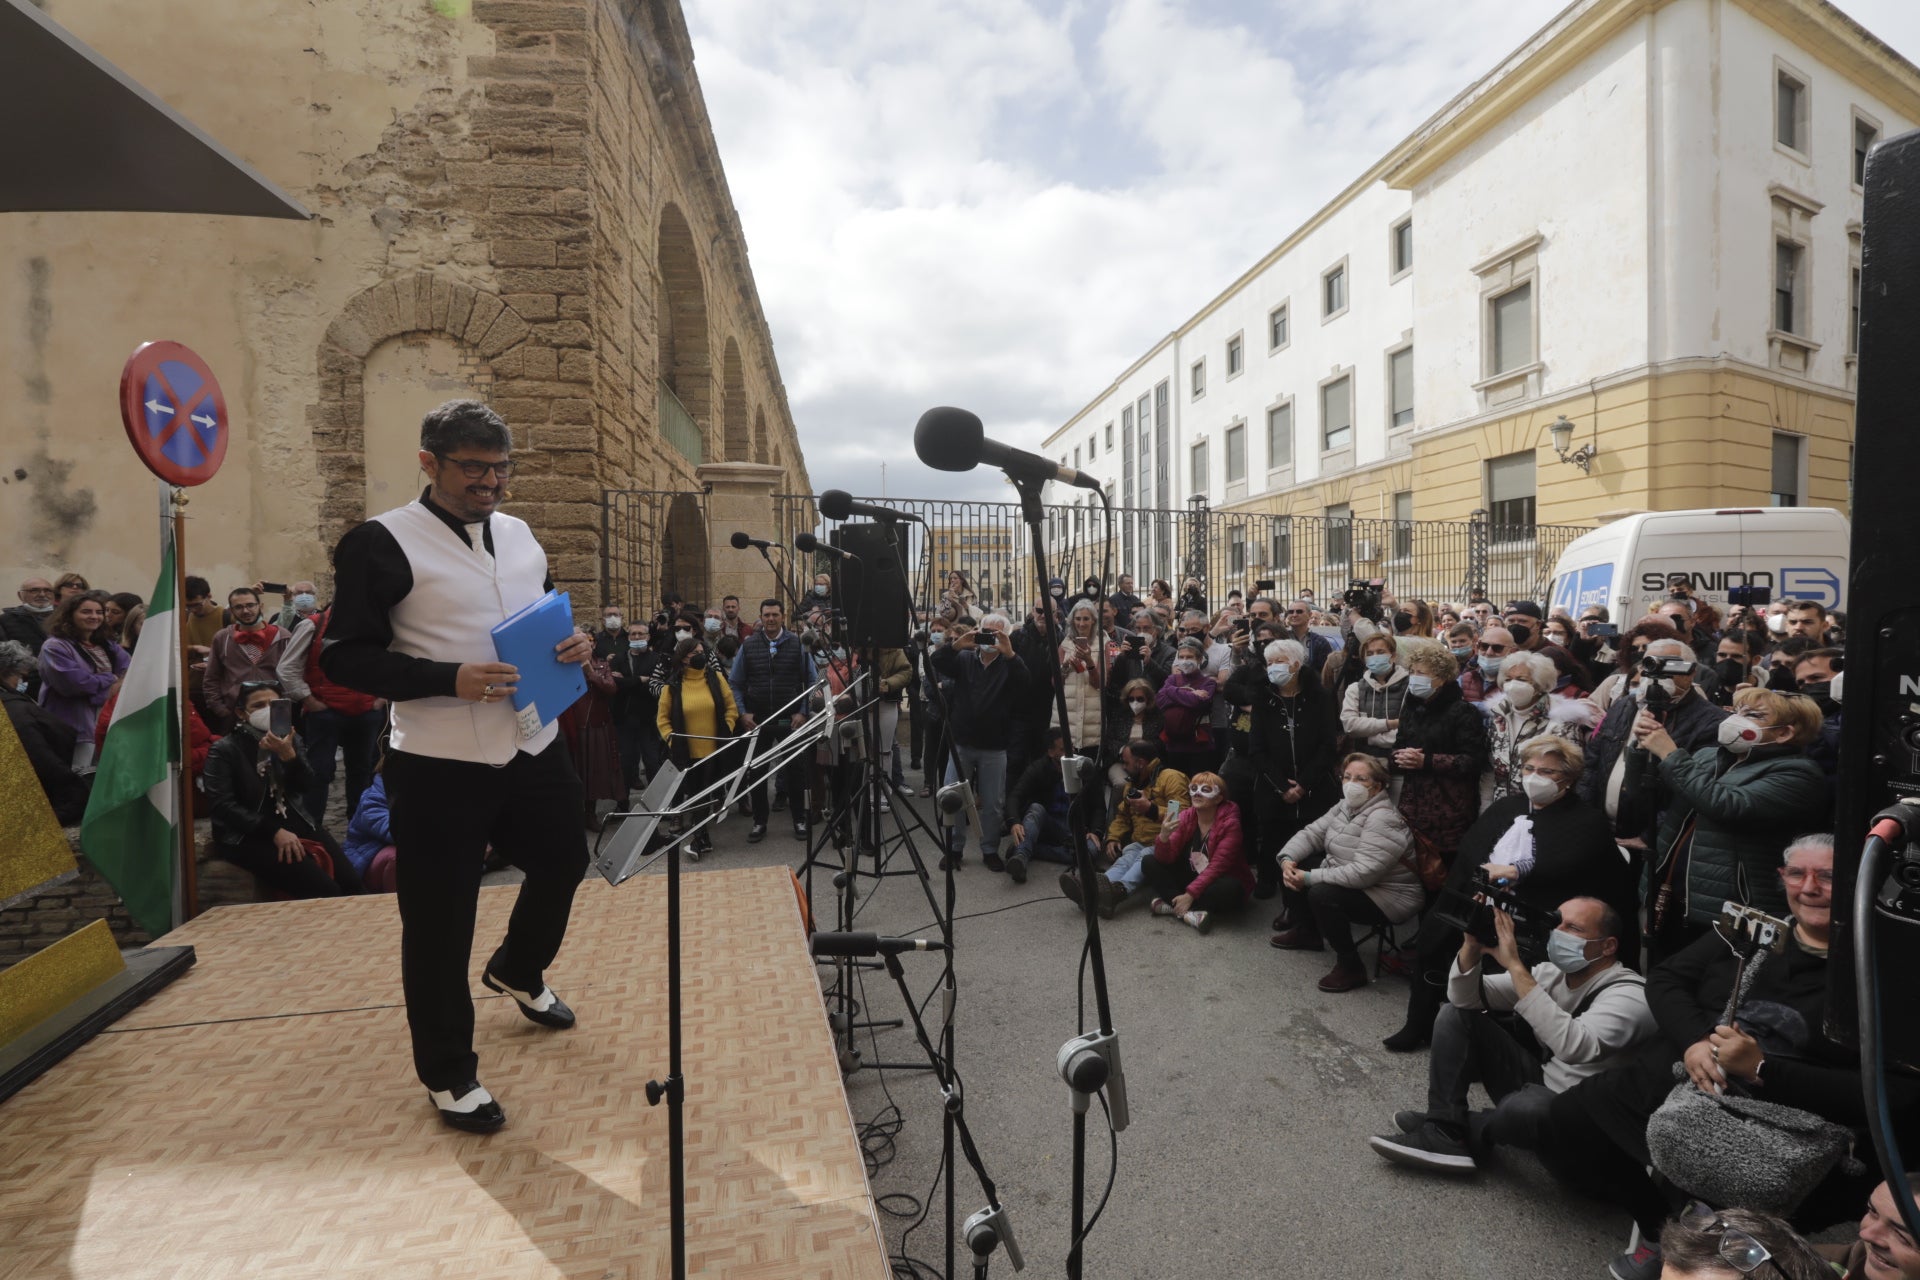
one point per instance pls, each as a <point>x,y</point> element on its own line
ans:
<point>1512,321</point>
<point>1235,358</point>
<point>1788,450</point>
<point>1197,477</point>
<point>1237,454</point>
<point>1853,312</point>
<point>1789,260</point>
<point>1400,388</point>
<point>1280,436</point>
<point>1336,414</point>
<point>1199,377</point>
<point>1791,100</point>
<point>1865,133</point>
<point>1163,447</point>
<point>1400,248</point>
<point>1510,497</point>
<point>1237,551</point>
<point>1076,457</point>
<point>1277,328</point>
<point>1403,525</point>
<point>1333,291</point>
<point>1109,435</point>
<point>1339,534</point>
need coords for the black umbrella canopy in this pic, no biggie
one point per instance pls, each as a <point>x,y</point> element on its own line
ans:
<point>81,136</point>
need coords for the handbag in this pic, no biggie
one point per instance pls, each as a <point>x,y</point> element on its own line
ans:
<point>1426,861</point>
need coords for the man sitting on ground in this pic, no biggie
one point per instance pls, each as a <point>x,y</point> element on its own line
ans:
<point>1040,800</point>
<point>1137,819</point>
<point>1583,1007</point>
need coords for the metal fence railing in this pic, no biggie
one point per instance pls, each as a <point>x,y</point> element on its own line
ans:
<point>679,428</point>
<point>1223,550</point>
<point>653,541</point>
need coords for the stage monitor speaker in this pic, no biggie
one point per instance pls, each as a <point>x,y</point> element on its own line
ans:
<point>1880,715</point>
<point>873,589</point>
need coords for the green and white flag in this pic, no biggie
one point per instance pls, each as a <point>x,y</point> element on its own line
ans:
<point>131,829</point>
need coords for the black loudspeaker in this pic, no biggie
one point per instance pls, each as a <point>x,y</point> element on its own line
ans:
<point>1880,716</point>
<point>873,589</point>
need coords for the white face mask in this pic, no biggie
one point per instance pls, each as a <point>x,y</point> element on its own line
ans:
<point>1740,735</point>
<point>712,625</point>
<point>1185,666</point>
<point>1540,788</point>
<point>1279,672</point>
<point>1139,706</point>
<point>683,635</point>
<point>1777,623</point>
<point>261,719</point>
<point>42,609</point>
<point>1520,693</point>
<point>1356,793</point>
<point>612,622</point>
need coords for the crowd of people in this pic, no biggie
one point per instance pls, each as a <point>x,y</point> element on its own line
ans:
<point>1354,763</point>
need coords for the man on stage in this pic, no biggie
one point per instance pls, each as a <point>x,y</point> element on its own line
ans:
<point>417,592</point>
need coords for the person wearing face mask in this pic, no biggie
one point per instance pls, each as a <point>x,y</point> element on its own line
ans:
<point>1186,709</point>
<point>1817,675</point>
<point>1523,710</point>
<point>1136,719</point>
<point>932,709</point>
<point>988,683</point>
<point>1347,867</point>
<point>1439,752</point>
<point>1733,659</point>
<point>1586,1012</point>
<point>1490,648</point>
<point>1548,847</point>
<point>1143,655</point>
<point>1525,622</point>
<point>1370,712</point>
<point>696,714</point>
<point>611,639</point>
<point>1776,1049</point>
<point>1723,809</point>
<point>1461,639</point>
<point>255,783</point>
<point>47,740</point>
<point>1292,739</point>
<point>303,599</point>
<point>1199,866</point>
<point>636,704</point>
<point>1613,782</point>
<point>26,622</point>
<point>1152,791</point>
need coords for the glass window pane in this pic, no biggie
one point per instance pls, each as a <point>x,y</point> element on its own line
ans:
<point>1197,469</point>
<point>1233,355</point>
<point>1336,290</point>
<point>1510,496</point>
<point>1402,247</point>
<point>1277,327</point>
<point>1280,436</point>
<point>1786,470</point>
<point>1339,534</point>
<point>1786,103</point>
<point>1513,329</point>
<point>1336,414</point>
<point>1236,454</point>
<point>1401,368</point>
<point>1786,286</point>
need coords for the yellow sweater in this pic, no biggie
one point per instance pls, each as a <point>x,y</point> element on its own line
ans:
<point>697,710</point>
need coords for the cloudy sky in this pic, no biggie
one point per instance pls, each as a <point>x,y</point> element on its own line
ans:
<point>1001,204</point>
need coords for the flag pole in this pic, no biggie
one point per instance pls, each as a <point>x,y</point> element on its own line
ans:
<point>189,883</point>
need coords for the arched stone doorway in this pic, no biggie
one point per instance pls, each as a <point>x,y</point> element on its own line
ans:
<point>683,551</point>
<point>760,445</point>
<point>733,410</point>
<point>684,359</point>
<point>406,377</point>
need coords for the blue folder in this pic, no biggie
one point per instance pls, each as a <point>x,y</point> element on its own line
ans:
<point>547,685</point>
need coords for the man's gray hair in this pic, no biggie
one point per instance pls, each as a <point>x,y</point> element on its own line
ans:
<point>15,656</point>
<point>1668,646</point>
<point>463,423</point>
<point>1814,842</point>
<point>1001,618</point>
<point>1290,650</point>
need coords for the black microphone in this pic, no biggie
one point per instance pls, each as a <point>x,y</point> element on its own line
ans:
<point>807,543</point>
<point>949,439</point>
<point>838,504</point>
<point>741,542</point>
<point>869,944</point>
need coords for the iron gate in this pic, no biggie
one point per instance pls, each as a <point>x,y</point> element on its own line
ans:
<point>653,541</point>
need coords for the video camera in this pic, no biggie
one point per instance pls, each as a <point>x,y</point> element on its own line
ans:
<point>1471,910</point>
<point>1363,597</point>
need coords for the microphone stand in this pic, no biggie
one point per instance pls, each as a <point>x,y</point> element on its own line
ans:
<point>1090,1061</point>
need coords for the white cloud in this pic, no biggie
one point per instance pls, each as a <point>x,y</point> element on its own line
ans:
<point>1002,203</point>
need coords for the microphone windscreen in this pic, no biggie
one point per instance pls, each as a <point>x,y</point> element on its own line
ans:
<point>806,542</point>
<point>836,504</point>
<point>949,439</point>
<point>740,540</point>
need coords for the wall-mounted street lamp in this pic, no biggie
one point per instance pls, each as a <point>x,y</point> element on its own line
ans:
<point>1561,432</point>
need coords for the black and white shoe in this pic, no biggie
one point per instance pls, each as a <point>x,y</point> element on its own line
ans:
<point>800,832</point>
<point>757,833</point>
<point>1409,1121</point>
<point>468,1108</point>
<point>1429,1147</point>
<point>541,1006</point>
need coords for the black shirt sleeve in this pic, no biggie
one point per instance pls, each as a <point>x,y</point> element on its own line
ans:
<point>370,576</point>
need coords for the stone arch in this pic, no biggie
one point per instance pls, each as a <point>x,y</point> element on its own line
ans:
<point>684,361</point>
<point>760,442</point>
<point>421,302</point>
<point>683,550</point>
<point>405,377</point>
<point>733,403</point>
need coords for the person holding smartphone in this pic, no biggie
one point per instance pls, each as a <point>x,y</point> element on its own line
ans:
<point>256,782</point>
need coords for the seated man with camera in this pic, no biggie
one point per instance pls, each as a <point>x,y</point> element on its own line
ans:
<point>1577,1012</point>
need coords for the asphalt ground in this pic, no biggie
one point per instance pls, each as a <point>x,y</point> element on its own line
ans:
<point>1251,1093</point>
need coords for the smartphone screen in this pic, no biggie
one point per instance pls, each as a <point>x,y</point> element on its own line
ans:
<point>280,717</point>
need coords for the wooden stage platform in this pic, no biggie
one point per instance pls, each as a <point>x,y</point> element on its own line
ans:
<point>259,1117</point>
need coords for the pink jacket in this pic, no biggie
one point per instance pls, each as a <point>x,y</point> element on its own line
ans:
<point>1226,848</point>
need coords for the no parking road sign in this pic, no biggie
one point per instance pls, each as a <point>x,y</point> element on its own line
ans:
<point>174,413</point>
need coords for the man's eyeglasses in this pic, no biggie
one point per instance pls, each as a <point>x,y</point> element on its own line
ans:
<point>1801,875</point>
<point>474,470</point>
<point>37,592</point>
<point>1737,1249</point>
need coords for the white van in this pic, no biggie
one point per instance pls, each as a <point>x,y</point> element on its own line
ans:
<point>1629,564</point>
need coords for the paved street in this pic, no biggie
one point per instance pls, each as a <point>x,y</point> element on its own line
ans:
<point>1252,1094</point>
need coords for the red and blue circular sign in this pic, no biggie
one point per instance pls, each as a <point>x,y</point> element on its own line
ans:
<point>175,415</point>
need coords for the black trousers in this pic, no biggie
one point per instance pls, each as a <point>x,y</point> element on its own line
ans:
<point>1170,879</point>
<point>1334,910</point>
<point>301,879</point>
<point>445,813</point>
<point>1470,1045</point>
<point>793,776</point>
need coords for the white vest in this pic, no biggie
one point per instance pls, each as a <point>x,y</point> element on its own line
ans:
<point>460,593</point>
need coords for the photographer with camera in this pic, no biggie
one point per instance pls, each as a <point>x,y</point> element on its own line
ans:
<point>1723,808</point>
<point>1546,846</point>
<point>989,682</point>
<point>1580,1008</point>
<point>1656,679</point>
<point>1143,655</point>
